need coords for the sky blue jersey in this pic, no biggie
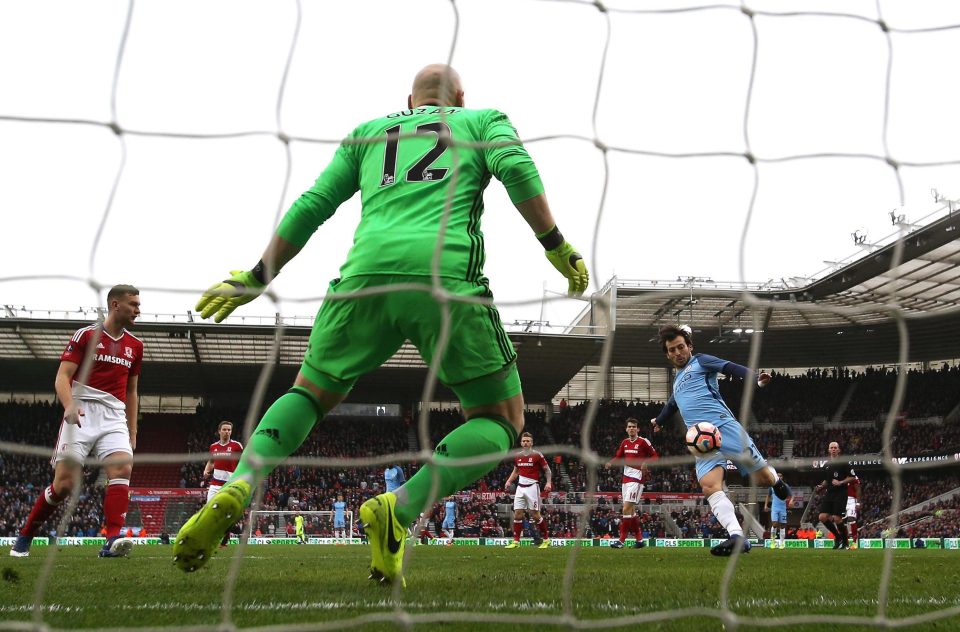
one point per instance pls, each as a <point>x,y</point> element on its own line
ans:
<point>393,477</point>
<point>338,508</point>
<point>777,506</point>
<point>450,512</point>
<point>696,392</point>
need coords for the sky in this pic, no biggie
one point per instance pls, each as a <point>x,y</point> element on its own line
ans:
<point>670,108</point>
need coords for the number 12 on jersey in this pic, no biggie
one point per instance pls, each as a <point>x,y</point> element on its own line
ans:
<point>421,170</point>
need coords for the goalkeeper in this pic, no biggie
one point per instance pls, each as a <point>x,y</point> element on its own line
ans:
<point>301,534</point>
<point>421,173</point>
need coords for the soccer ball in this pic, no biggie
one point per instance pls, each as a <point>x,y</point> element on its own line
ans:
<point>703,438</point>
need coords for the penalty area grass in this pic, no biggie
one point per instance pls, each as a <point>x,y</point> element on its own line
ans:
<point>321,585</point>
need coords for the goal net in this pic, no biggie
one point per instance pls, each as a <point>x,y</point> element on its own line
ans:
<point>159,144</point>
<point>320,527</point>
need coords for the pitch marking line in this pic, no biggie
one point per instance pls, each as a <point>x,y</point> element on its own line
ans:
<point>523,606</point>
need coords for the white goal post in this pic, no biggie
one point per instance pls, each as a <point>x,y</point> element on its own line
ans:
<point>273,524</point>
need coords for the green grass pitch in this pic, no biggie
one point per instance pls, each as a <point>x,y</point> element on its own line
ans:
<point>317,586</point>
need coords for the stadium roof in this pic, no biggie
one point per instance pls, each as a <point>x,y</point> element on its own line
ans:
<point>848,317</point>
<point>204,359</point>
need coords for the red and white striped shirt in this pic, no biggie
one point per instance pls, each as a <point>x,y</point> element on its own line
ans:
<point>634,453</point>
<point>529,467</point>
<point>223,468</point>
<point>114,361</point>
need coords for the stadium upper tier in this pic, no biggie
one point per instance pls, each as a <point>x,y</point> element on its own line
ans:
<point>204,359</point>
<point>851,315</point>
<point>899,301</point>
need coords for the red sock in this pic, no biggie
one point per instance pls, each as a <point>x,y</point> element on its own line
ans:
<point>46,504</point>
<point>115,504</point>
<point>543,527</point>
<point>853,531</point>
<point>635,523</point>
<point>517,530</point>
<point>623,528</point>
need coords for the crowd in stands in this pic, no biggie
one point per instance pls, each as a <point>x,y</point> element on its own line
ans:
<point>799,404</point>
<point>928,393</point>
<point>908,439</point>
<point>820,394</point>
<point>25,475</point>
<point>697,523</point>
<point>605,522</point>
<point>876,494</point>
<point>936,520</point>
<point>16,500</point>
<point>475,518</point>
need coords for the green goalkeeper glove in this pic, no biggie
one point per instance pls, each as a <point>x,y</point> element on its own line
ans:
<point>226,296</point>
<point>566,260</point>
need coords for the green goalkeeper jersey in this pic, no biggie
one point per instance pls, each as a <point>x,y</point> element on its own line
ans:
<point>407,174</point>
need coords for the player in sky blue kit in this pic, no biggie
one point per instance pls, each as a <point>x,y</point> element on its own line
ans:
<point>393,477</point>
<point>778,518</point>
<point>696,395</point>
<point>339,519</point>
<point>449,518</point>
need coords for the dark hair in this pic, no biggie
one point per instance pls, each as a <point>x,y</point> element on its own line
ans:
<point>118,291</point>
<point>225,421</point>
<point>669,332</point>
<point>631,420</point>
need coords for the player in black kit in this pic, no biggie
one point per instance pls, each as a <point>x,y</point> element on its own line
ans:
<point>834,501</point>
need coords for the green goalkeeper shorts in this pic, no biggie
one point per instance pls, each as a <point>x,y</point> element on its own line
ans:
<point>354,336</point>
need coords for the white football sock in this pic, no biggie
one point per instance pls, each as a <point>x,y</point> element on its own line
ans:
<point>722,508</point>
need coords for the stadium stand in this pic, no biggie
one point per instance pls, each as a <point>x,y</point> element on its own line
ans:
<point>164,434</point>
<point>806,412</point>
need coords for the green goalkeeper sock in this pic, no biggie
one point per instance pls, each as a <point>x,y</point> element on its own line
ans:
<point>281,431</point>
<point>490,434</point>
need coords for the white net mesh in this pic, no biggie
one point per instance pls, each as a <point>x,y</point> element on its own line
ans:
<point>172,94</point>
